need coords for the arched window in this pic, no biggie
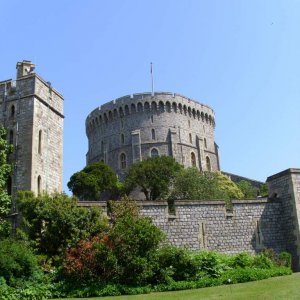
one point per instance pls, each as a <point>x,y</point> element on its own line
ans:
<point>208,167</point>
<point>146,106</point>
<point>168,106</point>
<point>190,136</point>
<point>12,112</point>
<point>140,107</point>
<point>154,152</point>
<point>193,159</point>
<point>153,134</point>
<point>205,143</point>
<point>39,185</point>
<point>123,161</point>
<point>9,185</point>
<point>11,137</point>
<point>133,109</point>
<point>40,142</point>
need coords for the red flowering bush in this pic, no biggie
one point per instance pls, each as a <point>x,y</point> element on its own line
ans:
<point>126,254</point>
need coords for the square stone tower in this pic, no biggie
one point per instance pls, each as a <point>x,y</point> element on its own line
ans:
<point>32,112</point>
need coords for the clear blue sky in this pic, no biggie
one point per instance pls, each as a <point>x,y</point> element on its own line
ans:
<point>240,57</point>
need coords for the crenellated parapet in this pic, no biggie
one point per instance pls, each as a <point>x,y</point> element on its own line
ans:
<point>146,102</point>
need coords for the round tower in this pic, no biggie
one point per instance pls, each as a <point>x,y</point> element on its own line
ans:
<point>138,126</point>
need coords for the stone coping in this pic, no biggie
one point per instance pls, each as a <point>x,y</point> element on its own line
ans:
<point>283,173</point>
<point>177,202</point>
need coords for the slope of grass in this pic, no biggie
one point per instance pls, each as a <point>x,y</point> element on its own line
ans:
<point>285,287</point>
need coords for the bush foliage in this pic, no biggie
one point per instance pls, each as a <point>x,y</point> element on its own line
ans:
<point>54,222</point>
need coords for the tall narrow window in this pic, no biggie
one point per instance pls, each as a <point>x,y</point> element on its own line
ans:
<point>191,140</point>
<point>12,112</point>
<point>9,185</point>
<point>193,159</point>
<point>153,134</point>
<point>208,167</point>
<point>40,142</point>
<point>11,137</point>
<point>122,139</point>
<point>39,185</point>
<point>123,161</point>
<point>154,152</point>
<point>205,143</point>
<point>152,119</point>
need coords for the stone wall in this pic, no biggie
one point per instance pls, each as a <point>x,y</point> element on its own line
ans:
<point>32,113</point>
<point>135,126</point>
<point>250,226</point>
<point>285,188</point>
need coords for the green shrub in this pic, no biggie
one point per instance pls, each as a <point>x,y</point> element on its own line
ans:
<point>285,259</point>
<point>262,261</point>
<point>175,264</point>
<point>240,275</point>
<point>17,261</point>
<point>242,260</point>
<point>210,263</point>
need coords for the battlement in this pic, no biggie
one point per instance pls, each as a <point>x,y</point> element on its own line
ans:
<point>146,102</point>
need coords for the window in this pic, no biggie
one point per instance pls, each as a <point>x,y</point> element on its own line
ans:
<point>11,137</point>
<point>9,185</point>
<point>122,139</point>
<point>191,140</point>
<point>123,161</point>
<point>40,142</point>
<point>153,134</point>
<point>152,119</point>
<point>154,152</point>
<point>122,123</point>
<point>12,112</point>
<point>39,185</point>
<point>205,143</point>
<point>208,167</point>
<point>193,159</point>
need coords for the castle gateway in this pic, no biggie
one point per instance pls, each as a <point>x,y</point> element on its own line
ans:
<point>135,127</point>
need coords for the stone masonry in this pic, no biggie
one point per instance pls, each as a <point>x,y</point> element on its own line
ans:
<point>32,113</point>
<point>250,225</point>
<point>133,128</point>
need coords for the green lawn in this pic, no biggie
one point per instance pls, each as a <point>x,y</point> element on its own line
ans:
<point>285,287</point>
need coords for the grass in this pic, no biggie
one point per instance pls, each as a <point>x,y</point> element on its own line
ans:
<point>285,287</point>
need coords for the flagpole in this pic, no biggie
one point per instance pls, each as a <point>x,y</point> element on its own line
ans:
<point>151,70</point>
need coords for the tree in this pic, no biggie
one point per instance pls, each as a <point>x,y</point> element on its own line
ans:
<point>248,189</point>
<point>154,176</point>
<point>90,182</point>
<point>227,187</point>
<point>5,199</point>
<point>55,222</point>
<point>190,184</point>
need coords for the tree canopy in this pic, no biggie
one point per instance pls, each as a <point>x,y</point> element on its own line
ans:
<point>154,176</point>
<point>91,181</point>
<point>190,184</point>
<point>54,222</point>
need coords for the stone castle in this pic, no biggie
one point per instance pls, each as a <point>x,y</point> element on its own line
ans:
<point>133,128</point>
<point>32,113</point>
